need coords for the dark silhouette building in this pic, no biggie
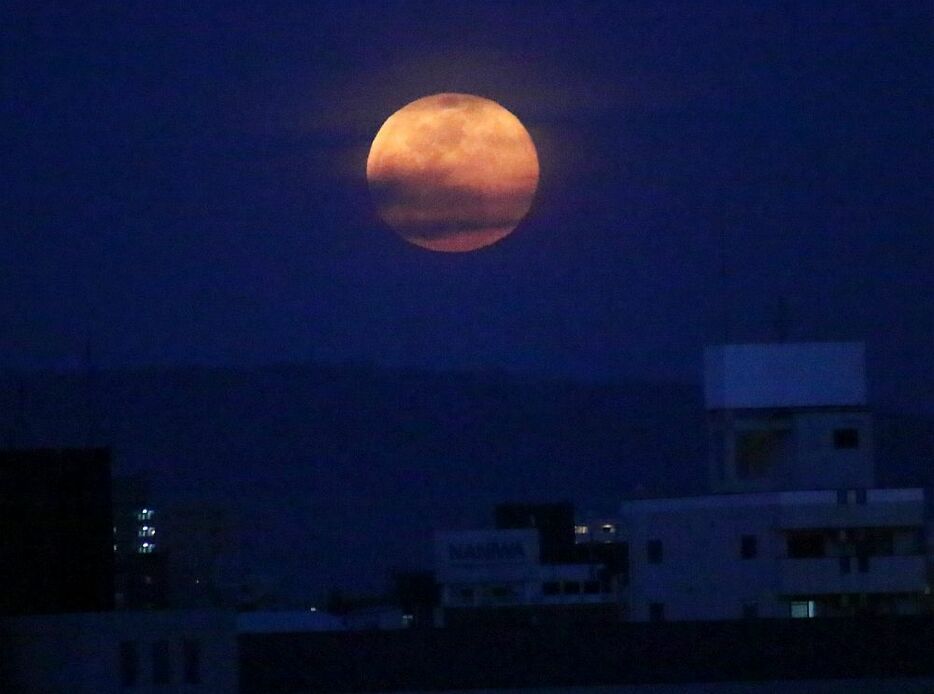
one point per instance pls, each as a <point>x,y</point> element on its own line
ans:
<point>56,531</point>
<point>140,562</point>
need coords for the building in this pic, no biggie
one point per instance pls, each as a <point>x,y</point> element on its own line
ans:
<point>530,569</point>
<point>795,527</point>
<point>140,577</point>
<point>776,554</point>
<point>120,651</point>
<point>56,543</point>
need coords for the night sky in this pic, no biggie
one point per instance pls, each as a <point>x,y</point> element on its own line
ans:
<point>183,183</point>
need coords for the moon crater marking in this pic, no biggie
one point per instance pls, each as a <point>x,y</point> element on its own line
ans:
<point>452,172</point>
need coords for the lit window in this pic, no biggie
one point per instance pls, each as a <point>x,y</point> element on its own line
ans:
<point>580,530</point>
<point>608,528</point>
<point>803,609</point>
<point>145,514</point>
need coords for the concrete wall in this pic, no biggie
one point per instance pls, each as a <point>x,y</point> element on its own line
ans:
<point>804,455</point>
<point>785,375</point>
<point>586,654</point>
<point>79,653</point>
<point>702,575</point>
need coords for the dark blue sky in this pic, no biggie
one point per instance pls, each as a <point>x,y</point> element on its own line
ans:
<point>185,184</point>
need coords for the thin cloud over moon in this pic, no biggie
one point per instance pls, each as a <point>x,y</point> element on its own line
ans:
<point>453,172</point>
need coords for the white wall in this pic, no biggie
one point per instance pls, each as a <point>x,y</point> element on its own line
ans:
<point>813,374</point>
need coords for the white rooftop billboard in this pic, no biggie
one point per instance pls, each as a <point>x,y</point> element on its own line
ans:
<point>811,374</point>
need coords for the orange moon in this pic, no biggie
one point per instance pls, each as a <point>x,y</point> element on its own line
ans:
<point>452,172</point>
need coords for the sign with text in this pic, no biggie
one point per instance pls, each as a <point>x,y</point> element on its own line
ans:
<point>473,548</point>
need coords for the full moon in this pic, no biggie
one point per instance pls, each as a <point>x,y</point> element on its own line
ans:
<point>452,172</point>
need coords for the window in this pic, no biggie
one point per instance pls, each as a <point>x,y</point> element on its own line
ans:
<point>551,588</point>
<point>161,665</point>
<point>806,545</point>
<point>608,528</point>
<point>845,565</point>
<point>191,654</point>
<point>750,610</point>
<point>847,438</point>
<point>591,587</point>
<point>862,564</point>
<point>466,594</point>
<point>572,588</point>
<point>656,612</point>
<point>654,551</point>
<point>759,451</point>
<point>581,530</point>
<point>749,547</point>
<point>129,663</point>
<point>803,609</point>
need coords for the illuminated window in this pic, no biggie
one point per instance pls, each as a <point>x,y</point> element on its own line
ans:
<point>146,548</point>
<point>803,609</point>
<point>608,528</point>
<point>145,514</point>
<point>146,531</point>
<point>581,530</point>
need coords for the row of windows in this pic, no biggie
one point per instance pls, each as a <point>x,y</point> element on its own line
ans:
<point>574,588</point>
<point>748,549</point>
<point>162,671</point>
<point>798,609</point>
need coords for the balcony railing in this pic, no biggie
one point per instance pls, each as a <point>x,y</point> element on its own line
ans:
<point>880,574</point>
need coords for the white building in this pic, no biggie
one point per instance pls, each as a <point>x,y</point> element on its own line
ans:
<point>796,528</point>
<point>776,554</point>
<point>495,570</point>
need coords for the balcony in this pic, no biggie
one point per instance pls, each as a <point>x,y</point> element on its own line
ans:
<point>829,575</point>
<point>851,509</point>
